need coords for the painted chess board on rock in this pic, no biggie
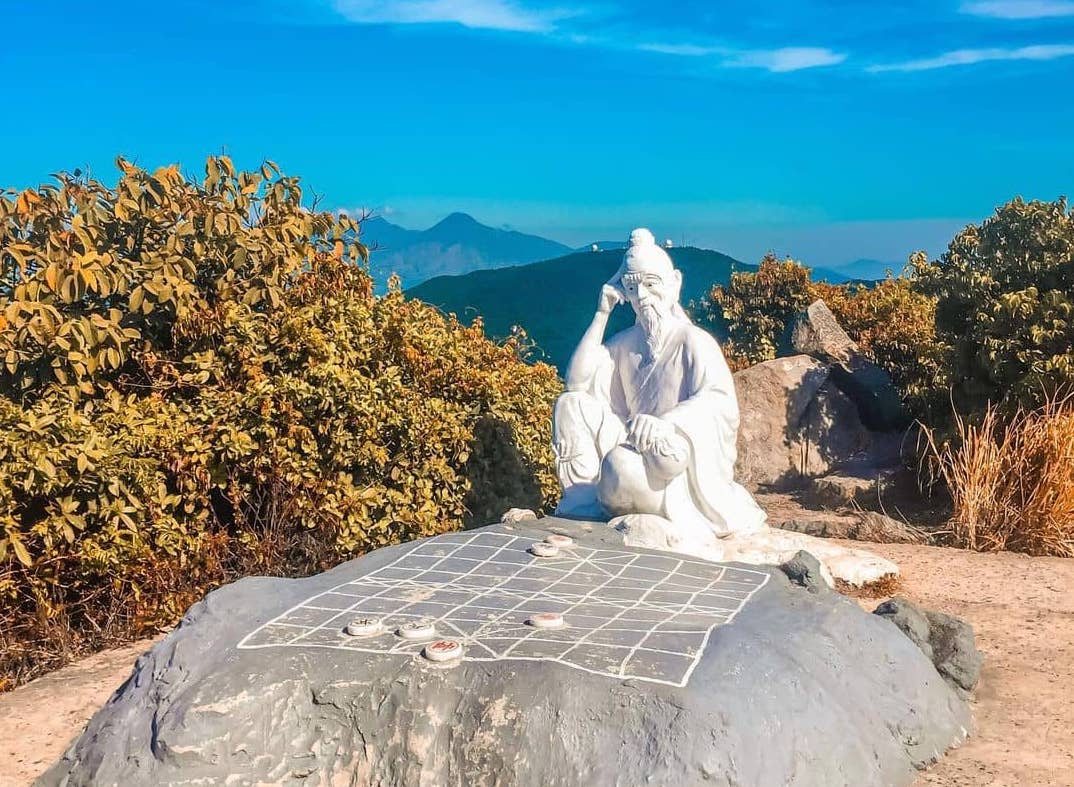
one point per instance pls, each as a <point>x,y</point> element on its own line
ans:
<point>626,614</point>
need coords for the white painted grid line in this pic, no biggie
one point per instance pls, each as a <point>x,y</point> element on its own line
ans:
<point>567,614</point>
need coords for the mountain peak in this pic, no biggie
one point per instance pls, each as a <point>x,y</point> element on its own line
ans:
<point>457,244</point>
<point>457,220</point>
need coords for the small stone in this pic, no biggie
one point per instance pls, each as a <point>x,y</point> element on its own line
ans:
<point>545,620</point>
<point>948,642</point>
<point>909,619</point>
<point>443,650</point>
<point>363,627</point>
<point>839,489</point>
<point>543,549</point>
<point>805,570</point>
<point>513,515</point>
<point>559,540</point>
<point>954,649</point>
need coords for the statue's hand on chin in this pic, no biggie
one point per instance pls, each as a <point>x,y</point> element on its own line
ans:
<point>610,297</point>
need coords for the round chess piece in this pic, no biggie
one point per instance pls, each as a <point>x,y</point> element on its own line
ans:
<point>363,627</point>
<point>546,620</point>
<point>443,650</point>
<point>416,630</point>
<point>543,549</point>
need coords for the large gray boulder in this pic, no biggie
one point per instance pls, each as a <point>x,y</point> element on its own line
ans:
<point>817,333</point>
<point>785,686</point>
<point>794,423</point>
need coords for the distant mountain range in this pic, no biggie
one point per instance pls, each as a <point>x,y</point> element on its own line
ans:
<point>554,300</point>
<point>511,278</point>
<point>458,244</point>
<point>861,269</point>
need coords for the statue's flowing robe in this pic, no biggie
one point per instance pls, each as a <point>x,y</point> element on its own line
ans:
<point>689,385</point>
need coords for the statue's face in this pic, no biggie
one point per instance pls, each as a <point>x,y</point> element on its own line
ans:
<point>649,292</point>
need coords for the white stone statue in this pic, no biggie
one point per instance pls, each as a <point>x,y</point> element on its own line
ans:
<point>649,420</point>
<point>645,433</point>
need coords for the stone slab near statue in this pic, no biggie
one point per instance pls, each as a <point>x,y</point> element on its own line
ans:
<point>664,669</point>
<point>646,434</point>
<point>816,332</point>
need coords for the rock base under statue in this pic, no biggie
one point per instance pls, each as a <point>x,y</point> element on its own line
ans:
<point>664,669</point>
<point>766,546</point>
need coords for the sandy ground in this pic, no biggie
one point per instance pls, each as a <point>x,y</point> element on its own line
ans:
<point>1022,609</point>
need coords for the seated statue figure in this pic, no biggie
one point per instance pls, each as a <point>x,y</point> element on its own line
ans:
<point>649,420</point>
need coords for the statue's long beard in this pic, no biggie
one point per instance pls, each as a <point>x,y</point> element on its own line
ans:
<point>654,324</point>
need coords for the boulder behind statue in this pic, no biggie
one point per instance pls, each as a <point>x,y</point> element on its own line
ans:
<point>816,332</point>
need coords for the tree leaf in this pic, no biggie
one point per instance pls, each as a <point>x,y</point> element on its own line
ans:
<point>20,551</point>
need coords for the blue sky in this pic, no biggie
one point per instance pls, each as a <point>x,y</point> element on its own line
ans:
<point>827,129</point>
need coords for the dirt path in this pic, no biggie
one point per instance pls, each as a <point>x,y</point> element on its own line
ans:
<point>1022,609</point>
<point>38,720</point>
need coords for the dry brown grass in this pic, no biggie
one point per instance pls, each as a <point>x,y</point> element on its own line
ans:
<point>1011,480</point>
<point>885,587</point>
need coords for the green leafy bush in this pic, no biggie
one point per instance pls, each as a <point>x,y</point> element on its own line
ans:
<point>1005,305</point>
<point>755,308</point>
<point>198,384</point>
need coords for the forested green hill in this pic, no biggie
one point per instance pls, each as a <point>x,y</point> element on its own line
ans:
<point>555,299</point>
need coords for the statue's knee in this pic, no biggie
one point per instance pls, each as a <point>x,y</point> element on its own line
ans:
<point>625,487</point>
<point>577,419</point>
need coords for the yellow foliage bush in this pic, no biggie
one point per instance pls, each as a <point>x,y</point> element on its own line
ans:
<point>198,383</point>
<point>753,311</point>
<point>891,323</point>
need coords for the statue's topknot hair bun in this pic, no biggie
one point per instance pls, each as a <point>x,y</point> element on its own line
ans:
<point>642,237</point>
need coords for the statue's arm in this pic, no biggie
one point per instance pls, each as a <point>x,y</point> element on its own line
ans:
<point>591,355</point>
<point>709,414</point>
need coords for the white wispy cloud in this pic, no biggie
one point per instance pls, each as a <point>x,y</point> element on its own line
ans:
<point>480,14</point>
<point>519,16</point>
<point>965,57</point>
<point>685,50</point>
<point>1019,9</point>
<point>793,58</point>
